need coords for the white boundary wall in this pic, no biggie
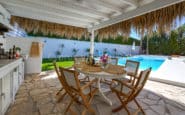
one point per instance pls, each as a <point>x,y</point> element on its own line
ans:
<point>53,45</point>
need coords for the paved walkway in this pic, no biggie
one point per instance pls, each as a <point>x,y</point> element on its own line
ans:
<point>36,96</point>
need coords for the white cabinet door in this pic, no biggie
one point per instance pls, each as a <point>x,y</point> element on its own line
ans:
<point>15,81</point>
<point>21,73</point>
<point>6,92</point>
<point>1,94</point>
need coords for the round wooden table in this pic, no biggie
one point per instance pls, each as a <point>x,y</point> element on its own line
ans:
<point>111,72</point>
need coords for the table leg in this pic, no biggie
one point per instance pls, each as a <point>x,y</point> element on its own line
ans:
<point>101,94</point>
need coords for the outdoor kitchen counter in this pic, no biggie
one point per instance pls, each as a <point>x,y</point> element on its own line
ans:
<point>8,64</point>
<point>11,77</point>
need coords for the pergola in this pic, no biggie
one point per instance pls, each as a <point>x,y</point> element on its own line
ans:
<point>90,14</point>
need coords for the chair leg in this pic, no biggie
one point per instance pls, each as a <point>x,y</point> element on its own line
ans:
<point>62,96</point>
<point>139,106</point>
<point>71,102</point>
<point>91,110</point>
<point>88,109</point>
<point>127,110</point>
<point>72,112</point>
<point>117,108</point>
<point>121,107</point>
<point>59,91</point>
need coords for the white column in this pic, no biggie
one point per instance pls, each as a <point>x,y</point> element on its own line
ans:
<point>92,43</point>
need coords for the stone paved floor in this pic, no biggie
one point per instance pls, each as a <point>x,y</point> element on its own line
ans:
<point>36,96</point>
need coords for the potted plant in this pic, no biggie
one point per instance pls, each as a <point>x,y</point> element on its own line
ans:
<point>74,50</point>
<point>18,51</point>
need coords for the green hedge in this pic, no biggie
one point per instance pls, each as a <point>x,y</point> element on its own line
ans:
<point>166,44</point>
<point>50,60</point>
<point>118,40</point>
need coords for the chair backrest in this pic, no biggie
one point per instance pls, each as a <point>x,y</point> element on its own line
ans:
<point>56,68</point>
<point>58,73</point>
<point>143,76</point>
<point>132,67</point>
<point>79,60</point>
<point>114,61</point>
<point>62,78</point>
<point>71,77</point>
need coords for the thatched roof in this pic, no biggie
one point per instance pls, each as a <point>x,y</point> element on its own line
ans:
<point>160,20</point>
<point>46,28</point>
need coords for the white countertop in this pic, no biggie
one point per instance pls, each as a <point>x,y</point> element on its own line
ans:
<point>6,65</point>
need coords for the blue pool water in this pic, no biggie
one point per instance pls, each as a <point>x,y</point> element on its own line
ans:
<point>145,61</point>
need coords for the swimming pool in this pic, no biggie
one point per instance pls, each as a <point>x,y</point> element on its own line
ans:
<point>145,61</point>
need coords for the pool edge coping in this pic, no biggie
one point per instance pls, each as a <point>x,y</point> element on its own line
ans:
<point>169,82</point>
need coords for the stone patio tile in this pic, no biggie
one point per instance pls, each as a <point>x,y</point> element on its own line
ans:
<point>150,112</point>
<point>149,102</point>
<point>45,109</point>
<point>40,97</point>
<point>37,96</point>
<point>175,111</point>
<point>21,100</point>
<point>38,91</point>
<point>59,107</point>
<point>161,102</point>
<point>21,109</point>
<point>44,100</point>
<point>175,104</point>
<point>153,97</point>
<point>143,105</point>
<point>160,109</point>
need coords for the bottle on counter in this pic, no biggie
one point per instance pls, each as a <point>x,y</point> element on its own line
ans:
<point>10,54</point>
<point>14,52</point>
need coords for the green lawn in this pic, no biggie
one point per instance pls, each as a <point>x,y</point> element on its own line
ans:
<point>49,65</point>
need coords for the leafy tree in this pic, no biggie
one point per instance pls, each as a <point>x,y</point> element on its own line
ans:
<point>181,31</point>
<point>167,44</point>
<point>173,43</point>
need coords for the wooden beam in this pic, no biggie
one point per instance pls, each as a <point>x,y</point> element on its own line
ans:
<point>45,17</point>
<point>106,5</point>
<point>67,6</point>
<point>52,11</point>
<point>4,12</point>
<point>131,2</point>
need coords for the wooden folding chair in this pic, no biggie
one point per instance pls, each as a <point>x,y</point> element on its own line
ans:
<point>60,79</point>
<point>127,93</point>
<point>113,61</point>
<point>131,68</point>
<point>75,90</point>
<point>82,77</point>
<point>79,60</point>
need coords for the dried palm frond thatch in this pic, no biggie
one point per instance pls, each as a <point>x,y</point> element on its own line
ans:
<point>160,20</point>
<point>46,28</point>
